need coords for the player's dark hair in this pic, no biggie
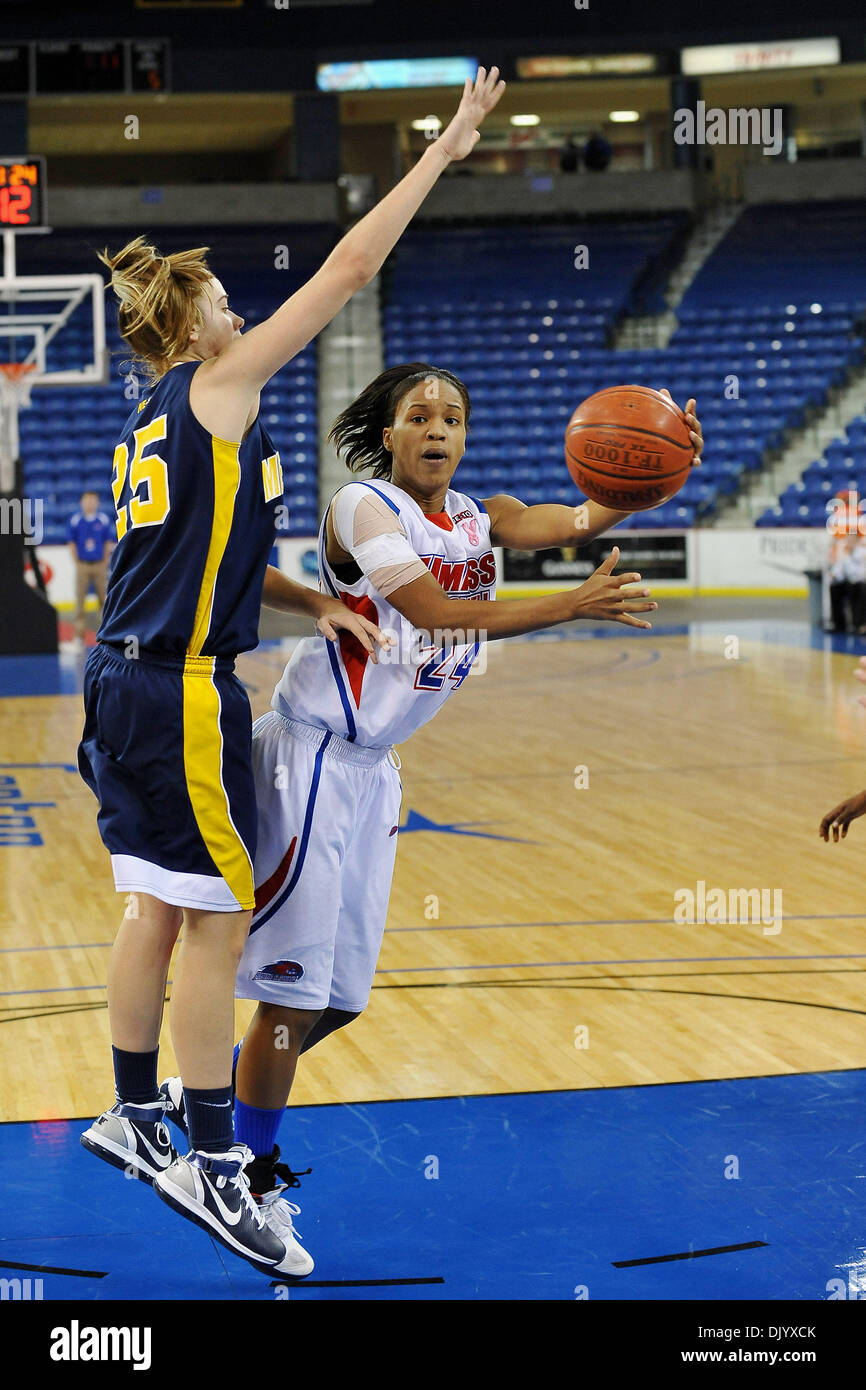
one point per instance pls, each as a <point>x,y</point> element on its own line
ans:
<point>157,296</point>
<point>357,431</point>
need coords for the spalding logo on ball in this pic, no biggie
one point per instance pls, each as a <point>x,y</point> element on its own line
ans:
<point>628,447</point>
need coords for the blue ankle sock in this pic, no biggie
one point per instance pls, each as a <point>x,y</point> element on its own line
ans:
<point>135,1079</point>
<point>257,1128</point>
<point>209,1119</point>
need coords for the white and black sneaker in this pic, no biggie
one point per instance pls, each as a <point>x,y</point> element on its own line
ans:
<point>134,1138</point>
<point>212,1190</point>
<point>277,1212</point>
<point>171,1094</point>
<point>269,1179</point>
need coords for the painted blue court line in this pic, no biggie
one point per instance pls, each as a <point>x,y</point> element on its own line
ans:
<point>67,946</point>
<point>625,922</point>
<point>538,964</point>
<point>512,965</point>
<point>60,989</point>
<point>64,767</point>
<point>514,926</point>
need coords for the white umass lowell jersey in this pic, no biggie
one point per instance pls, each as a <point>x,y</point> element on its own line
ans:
<point>335,685</point>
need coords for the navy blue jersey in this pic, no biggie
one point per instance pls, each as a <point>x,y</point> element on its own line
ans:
<point>196,519</point>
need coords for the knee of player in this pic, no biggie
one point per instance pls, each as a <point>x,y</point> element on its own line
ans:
<point>339,1018</point>
<point>288,1027</point>
<point>329,1021</point>
<point>147,913</point>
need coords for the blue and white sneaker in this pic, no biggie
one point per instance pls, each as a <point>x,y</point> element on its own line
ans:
<point>134,1138</point>
<point>171,1095</point>
<point>268,1179</point>
<point>212,1190</point>
<point>171,1092</point>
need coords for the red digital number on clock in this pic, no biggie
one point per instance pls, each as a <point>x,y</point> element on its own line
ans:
<point>15,204</point>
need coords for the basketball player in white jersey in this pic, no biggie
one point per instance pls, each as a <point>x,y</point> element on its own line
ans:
<point>415,556</point>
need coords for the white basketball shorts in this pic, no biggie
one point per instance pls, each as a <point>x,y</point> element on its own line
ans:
<point>328,817</point>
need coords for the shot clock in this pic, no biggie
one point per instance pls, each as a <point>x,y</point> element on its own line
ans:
<point>22,192</point>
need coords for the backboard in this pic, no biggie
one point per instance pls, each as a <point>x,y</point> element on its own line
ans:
<point>35,309</point>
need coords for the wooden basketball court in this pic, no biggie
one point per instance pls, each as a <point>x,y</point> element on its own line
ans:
<point>555,815</point>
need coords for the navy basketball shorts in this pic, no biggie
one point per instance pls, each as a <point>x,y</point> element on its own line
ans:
<point>166,749</point>
<point>328,817</point>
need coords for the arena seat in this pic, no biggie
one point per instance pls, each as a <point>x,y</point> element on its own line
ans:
<point>771,323</point>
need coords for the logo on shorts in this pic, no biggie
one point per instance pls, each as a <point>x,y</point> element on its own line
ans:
<point>282,972</point>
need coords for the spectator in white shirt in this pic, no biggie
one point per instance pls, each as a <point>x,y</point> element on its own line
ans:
<point>847,577</point>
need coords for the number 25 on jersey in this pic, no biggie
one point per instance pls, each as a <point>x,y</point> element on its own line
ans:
<point>152,471</point>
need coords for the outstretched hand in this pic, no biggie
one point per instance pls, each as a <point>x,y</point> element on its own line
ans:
<point>461,135</point>
<point>841,817</point>
<point>610,596</point>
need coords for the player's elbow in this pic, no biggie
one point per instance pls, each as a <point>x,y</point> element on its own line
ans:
<point>354,268</point>
<point>423,603</point>
<point>363,270</point>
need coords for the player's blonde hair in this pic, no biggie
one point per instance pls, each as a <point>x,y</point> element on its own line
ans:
<point>157,294</point>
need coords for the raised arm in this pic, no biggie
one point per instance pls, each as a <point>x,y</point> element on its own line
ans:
<point>252,359</point>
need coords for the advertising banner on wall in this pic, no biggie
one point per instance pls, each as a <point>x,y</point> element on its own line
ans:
<point>655,556</point>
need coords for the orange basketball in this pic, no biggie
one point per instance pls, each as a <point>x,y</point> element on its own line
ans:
<point>628,447</point>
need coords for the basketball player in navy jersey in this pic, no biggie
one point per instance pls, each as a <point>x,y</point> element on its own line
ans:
<point>166,745</point>
<point>410,552</point>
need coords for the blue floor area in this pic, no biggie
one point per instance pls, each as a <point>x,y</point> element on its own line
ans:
<point>55,675</point>
<point>553,1195</point>
<point>63,674</point>
<point>42,675</point>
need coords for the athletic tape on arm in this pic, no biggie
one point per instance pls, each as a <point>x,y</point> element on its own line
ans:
<point>371,532</point>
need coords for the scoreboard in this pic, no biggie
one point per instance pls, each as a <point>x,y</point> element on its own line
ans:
<point>22,192</point>
<point>80,66</point>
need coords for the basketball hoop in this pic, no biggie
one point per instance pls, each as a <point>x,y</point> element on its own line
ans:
<point>15,385</point>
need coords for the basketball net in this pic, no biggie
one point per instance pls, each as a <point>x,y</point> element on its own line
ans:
<point>15,385</point>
